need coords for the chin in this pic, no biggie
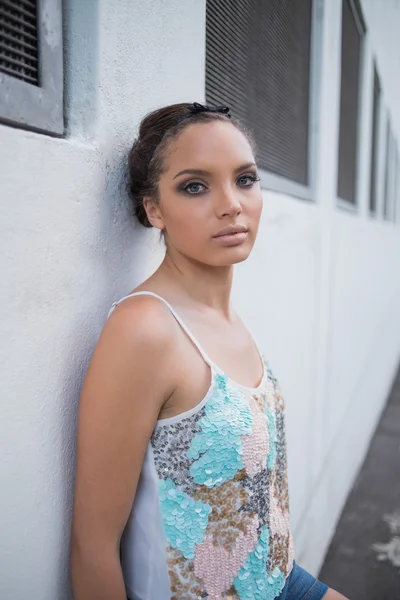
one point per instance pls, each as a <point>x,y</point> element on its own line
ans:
<point>233,256</point>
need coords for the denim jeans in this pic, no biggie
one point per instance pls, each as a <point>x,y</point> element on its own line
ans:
<point>300,585</point>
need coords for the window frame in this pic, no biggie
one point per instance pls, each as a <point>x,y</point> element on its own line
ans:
<point>283,185</point>
<point>348,205</point>
<point>397,199</point>
<point>375,147</point>
<point>387,180</point>
<point>382,118</point>
<point>39,107</point>
<point>277,183</point>
<point>395,181</point>
<point>393,157</point>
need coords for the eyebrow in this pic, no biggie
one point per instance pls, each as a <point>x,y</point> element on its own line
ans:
<point>202,172</point>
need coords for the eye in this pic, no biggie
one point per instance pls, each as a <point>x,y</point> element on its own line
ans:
<point>194,188</point>
<point>247,180</point>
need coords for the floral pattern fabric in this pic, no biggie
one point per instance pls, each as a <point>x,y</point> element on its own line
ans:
<point>224,496</point>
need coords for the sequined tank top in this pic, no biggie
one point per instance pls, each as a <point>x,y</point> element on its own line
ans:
<point>210,518</point>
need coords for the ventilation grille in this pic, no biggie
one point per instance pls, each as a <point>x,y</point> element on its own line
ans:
<point>18,39</point>
<point>386,199</point>
<point>257,63</point>
<point>349,101</point>
<point>374,143</point>
<point>396,184</point>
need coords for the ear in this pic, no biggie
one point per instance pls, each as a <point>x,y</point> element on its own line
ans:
<point>153,212</point>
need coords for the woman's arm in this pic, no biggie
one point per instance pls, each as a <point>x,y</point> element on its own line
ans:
<point>129,378</point>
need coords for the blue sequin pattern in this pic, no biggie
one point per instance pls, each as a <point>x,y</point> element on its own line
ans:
<point>223,494</point>
<point>184,520</point>
<point>253,581</point>
<point>217,449</point>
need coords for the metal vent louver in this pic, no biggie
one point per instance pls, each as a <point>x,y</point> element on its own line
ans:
<point>18,39</point>
<point>374,143</point>
<point>352,38</point>
<point>258,63</point>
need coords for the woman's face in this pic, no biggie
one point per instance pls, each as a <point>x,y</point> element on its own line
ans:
<point>210,197</point>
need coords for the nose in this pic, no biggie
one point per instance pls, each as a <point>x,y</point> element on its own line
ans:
<point>227,203</point>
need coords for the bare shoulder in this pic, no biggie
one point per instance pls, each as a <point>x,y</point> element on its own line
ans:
<point>137,340</point>
<point>129,379</point>
<point>142,320</point>
<point>132,370</point>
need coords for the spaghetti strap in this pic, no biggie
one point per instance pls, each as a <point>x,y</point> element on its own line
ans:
<point>205,356</point>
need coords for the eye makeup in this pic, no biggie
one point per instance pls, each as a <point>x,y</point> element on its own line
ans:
<point>195,187</point>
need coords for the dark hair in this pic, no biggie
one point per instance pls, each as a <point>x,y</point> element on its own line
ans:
<point>156,131</point>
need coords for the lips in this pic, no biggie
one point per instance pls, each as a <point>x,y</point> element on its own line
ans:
<point>231,230</point>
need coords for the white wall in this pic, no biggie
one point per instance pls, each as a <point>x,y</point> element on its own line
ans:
<point>322,288</point>
<point>68,249</point>
<point>325,296</point>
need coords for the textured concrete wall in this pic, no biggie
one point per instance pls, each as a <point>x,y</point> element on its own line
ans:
<point>68,249</point>
<point>325,295</point>
<point>321,290</point>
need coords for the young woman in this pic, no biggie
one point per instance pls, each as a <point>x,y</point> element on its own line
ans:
<point>181,488</point>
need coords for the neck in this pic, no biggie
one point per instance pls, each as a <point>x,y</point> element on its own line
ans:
<point>205,285</point>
